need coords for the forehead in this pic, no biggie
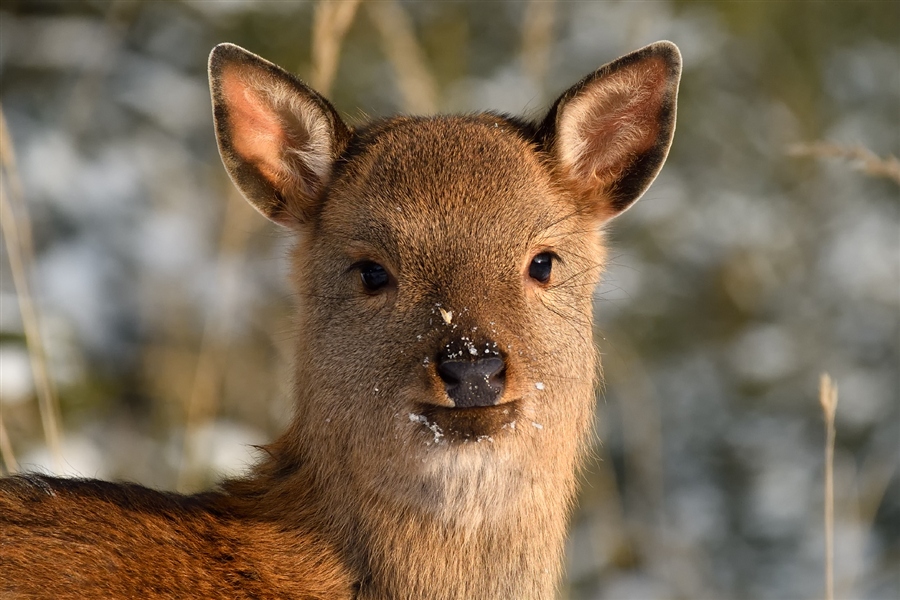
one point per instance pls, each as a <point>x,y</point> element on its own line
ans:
<point>430,179</point>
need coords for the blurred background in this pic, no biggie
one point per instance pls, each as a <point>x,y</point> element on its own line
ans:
<point>145,318</point>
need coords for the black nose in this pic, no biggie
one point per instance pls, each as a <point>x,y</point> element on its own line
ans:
<point>471,381</point>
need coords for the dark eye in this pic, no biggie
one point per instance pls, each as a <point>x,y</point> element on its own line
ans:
<point>540,267</point>
<point>373,276</point>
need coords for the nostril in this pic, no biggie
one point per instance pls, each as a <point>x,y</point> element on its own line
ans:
<point>450,371</point>
<point>472,383</point>
<point>457,371</point>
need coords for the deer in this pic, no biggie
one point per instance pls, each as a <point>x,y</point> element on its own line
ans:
<point>445,371</point>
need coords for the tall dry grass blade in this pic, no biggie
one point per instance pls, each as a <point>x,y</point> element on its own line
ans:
<point>10,464</point>
<point>538,27</point>
<point>203,401</point>
<point>860,157</point>
<point>16,227</point>
<point>331,21</point>
<point>828,398</point>
<point>398,40</point>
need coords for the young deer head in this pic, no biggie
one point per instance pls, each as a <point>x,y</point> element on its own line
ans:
<point>445,368</point>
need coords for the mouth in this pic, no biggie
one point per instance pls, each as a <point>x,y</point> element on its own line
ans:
<point>469,424</point>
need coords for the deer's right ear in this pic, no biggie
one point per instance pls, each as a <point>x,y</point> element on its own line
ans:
<point>277,137</point>
<point>610,133</point>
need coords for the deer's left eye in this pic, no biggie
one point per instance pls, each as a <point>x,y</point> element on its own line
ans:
<point>541,267</point>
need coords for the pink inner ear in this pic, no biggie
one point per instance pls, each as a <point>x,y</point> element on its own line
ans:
<point>256,132</point>
<point>613,121</point>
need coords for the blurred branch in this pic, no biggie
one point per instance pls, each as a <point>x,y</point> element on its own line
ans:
<point>330,24</point>
<point>16,226</point>
<point>875,477</point>
<point>398,39</point>
<point>537,39</point>
<point>607,521</point>
<point>871,481</point>
<point>828,398</point>
<point>642,442</point>
<point>861,158</point>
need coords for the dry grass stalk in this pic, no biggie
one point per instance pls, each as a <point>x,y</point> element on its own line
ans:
<point>537,38</point>
<point>861,158</point>
<point>828,398</point>
<point>398,39</point>
<point>10,464</point>
<point>330,24</point>
<point>16,227</point>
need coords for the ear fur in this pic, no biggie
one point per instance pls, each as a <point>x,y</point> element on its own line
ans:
<point>278,138</point>
<point>610,133</point>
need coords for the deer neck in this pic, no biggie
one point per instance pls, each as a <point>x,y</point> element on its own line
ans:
<point>516,554</point>
<point>489,525</point>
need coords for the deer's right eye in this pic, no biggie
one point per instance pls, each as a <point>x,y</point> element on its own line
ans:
<point>541,267</point>
<point>374,277</point>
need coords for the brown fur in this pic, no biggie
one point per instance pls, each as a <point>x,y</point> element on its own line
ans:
<point>382,487</point>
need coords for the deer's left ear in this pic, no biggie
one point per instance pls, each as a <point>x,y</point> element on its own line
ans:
<point>610,133</point>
